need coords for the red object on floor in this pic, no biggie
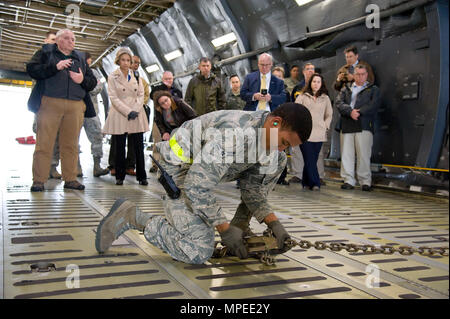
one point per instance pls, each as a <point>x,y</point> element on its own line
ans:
<point>26,140</point>
<point>31,140</point>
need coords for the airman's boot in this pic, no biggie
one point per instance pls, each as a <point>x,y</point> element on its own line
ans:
<point>124,215</point>
<point>98,170</point>
<point>54,173</point>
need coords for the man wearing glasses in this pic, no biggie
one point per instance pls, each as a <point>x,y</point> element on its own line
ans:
<point>357,104</point>
<point>261,90</point>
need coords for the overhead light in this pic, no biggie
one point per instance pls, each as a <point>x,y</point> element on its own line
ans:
<point>227,38</point>
<point>152,68</point>
<point>303,2</point>
<point>173,55</point>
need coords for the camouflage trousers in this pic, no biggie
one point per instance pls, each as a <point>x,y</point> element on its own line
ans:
<point>93,129</point>
<point>182,234</point>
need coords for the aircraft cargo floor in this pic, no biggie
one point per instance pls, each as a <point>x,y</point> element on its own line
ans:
<point>55,231</point>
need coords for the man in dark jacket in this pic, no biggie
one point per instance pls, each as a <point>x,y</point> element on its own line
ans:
<point>205,92</point>
<point>357,104</point>
<point>66,80</point>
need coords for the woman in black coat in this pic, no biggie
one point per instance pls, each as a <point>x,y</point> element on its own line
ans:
<point>170,112</point>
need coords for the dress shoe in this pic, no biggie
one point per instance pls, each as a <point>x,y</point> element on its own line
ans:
<point>347,186</point>
<point>154,169</point>
<point>37,187</point>
<point>143,182</point>
<point>366,188</point>
<point>315,188</point>
<point>119,182</point>
<point>283,182</point>
<point>130,171</point>
<point>74,185</point>
<point>295,179</point>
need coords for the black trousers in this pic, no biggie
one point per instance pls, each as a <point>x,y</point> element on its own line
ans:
<point>131,158</point>
<point>135,140</point>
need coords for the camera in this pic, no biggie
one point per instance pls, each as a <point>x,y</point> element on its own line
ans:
<point>345,77</point>
<point>263,91</point>
<point>75,66</point>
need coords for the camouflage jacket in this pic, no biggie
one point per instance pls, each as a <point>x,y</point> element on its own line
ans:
<point>234,102</point>
<point>214,155</point>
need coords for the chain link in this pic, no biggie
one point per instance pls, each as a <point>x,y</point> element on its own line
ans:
<point>368,249</point>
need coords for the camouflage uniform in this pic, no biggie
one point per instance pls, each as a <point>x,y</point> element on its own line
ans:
<point>234,102</point>
<point>187,230</point>
<point>92,125</point>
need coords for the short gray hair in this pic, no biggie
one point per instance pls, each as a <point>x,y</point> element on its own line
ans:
<point>61,32</point>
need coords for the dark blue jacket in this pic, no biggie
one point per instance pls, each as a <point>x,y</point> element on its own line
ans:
<point>252,85</point>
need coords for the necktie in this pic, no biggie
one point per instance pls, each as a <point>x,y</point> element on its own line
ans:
<point>262,104</point>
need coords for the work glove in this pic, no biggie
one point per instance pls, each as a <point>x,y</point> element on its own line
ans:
<point>280,234</point>
<point>132,115</point>
<point>232,238</point>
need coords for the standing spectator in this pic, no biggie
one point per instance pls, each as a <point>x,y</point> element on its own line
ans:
<point>64,78</point>
<point>315,98</point>
<point>294,79</point>
<point>170,113</point>
<point>51,39</point>
<point>297,162</point>
<point>346,73</point>
<point>357,103</point>
<point>261,90</point>
<point>126,116</point>
<point>167,85</point>
<point>131,158</point>
<point>308,70</point>
<point>279,73</point>
<point>93,128</point>
<point>205,92</point>
<point>234,101</point>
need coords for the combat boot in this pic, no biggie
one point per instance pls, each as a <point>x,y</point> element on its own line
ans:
<point>124,215</point>
<point>54,173</point>
<point>98,170</point>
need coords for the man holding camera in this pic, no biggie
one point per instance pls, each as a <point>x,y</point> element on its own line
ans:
<point>66,78</point>
<point>345,73</point>
<point>261,90</point>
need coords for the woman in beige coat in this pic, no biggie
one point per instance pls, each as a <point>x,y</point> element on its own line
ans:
<point>126,115</point>
<point>315,98</point>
